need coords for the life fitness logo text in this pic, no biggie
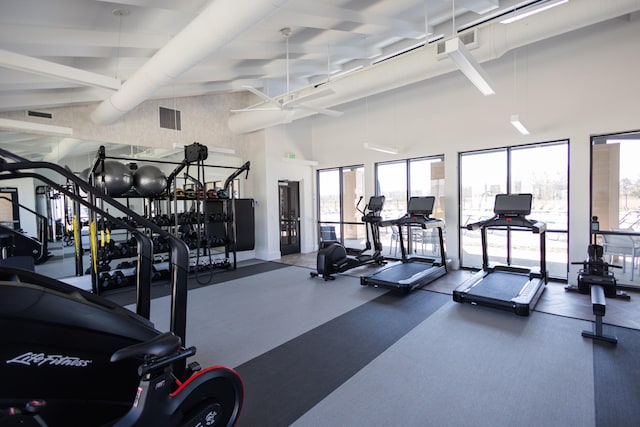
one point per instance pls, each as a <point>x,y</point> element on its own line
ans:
<point>39,359</point>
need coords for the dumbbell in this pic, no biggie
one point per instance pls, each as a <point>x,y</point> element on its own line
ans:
<point>106,280</point>
<point>119,278</point>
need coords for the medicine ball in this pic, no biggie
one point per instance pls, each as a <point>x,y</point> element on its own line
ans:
<point>149,181</point>
<point>113,178</point>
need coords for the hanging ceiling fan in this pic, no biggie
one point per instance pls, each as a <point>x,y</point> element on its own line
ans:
<point>288,102</point>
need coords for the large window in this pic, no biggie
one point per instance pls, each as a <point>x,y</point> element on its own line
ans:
<point>615,200</point>
<point>340,195</point>
<point>540,169</point>
<point>400,180</point>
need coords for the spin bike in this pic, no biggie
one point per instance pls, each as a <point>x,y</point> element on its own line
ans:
<point>161,399</point>
<point>74,358</point>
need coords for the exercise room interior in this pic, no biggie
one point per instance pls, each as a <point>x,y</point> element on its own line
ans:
<point>381,213</point>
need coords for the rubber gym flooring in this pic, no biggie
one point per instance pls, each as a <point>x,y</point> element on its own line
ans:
<point>316,353</point>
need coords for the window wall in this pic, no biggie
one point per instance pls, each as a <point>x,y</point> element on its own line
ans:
<point>540,169</point>
<point>400,180</point>
<point>615,200</point>
<point>340,195</point>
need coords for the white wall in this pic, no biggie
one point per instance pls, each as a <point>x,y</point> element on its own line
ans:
<point>569,87</point>
<point>293,138</point>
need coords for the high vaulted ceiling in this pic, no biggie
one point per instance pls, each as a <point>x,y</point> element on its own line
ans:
<point>56,53</point>
<point>116,38</point>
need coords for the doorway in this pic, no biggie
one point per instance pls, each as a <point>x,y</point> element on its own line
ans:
<point>289,196</point>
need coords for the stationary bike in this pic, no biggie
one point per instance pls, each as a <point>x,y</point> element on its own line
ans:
<point>334,257</point>
<point>74,358</point>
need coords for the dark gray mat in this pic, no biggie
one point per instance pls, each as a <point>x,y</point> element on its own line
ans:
<point>471,366</point>
<point>617,379</point>
<point>127,296</point>
<point>284,383</point>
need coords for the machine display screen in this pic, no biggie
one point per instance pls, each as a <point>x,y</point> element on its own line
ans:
<point>421,205</point>
<point>513,204</point>
<point>376,203</point>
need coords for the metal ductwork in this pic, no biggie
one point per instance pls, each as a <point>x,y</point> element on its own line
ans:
<point>494,40</point>
<point>65,147</point>
<point>217,25</point>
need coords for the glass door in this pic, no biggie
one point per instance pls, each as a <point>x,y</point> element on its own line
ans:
<point>289,195</point>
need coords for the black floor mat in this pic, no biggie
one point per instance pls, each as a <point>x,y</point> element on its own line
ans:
<point>612,368</point>
<point>284,383</point>
<point>159,289</point>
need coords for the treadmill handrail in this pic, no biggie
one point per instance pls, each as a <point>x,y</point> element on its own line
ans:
<point>410,220</point>
<point>517,221</point>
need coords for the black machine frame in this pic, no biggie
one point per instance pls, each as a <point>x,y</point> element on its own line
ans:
<point>506,287</point>
<point>54,315</point>
<point>333,257</point>
<point>411,271</point>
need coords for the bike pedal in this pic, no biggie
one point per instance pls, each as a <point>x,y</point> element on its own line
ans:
<point>194,367</point>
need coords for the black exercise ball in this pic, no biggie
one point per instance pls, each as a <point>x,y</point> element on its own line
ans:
<point>114,178</point>
<point>149,181</point>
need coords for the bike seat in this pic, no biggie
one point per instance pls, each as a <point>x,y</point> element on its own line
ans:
<point>160,346</point>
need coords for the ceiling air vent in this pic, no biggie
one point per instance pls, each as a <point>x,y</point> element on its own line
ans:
<point>40,114</point>
<point>170,119</point>
<point>468,39</point>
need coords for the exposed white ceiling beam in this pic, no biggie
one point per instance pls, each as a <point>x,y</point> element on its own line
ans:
<point>217,25</point>
<point>54,37</point>
<point>51,69</point>
<point>33,127</point>
<point>422,64</point>
<point>49,98</point>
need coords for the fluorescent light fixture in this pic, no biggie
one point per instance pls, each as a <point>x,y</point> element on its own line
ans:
<point>32,127</point>
<point>456,50</point>
<point>380,148</point>
<point>408,48</point>
<point>526,12</point>
<point>338,74</point>
<point>516,123</point>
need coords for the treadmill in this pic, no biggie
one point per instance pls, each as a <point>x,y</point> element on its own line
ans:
<point>507,287</point>
<point>411,271</point>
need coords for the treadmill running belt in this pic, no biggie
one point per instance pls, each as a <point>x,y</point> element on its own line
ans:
<point>500,286</point>
<point>400,272</point>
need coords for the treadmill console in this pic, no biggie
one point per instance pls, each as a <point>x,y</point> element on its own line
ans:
<point>513,204</point>
<point>421,206</point>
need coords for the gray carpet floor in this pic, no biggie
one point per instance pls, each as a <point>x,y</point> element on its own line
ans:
<point>315,353</point>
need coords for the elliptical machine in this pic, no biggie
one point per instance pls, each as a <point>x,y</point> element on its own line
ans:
<point>334,257</point>
<point>70,357</point>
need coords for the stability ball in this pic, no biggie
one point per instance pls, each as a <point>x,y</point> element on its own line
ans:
<point>149,181</point>
<point>114,178</point>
